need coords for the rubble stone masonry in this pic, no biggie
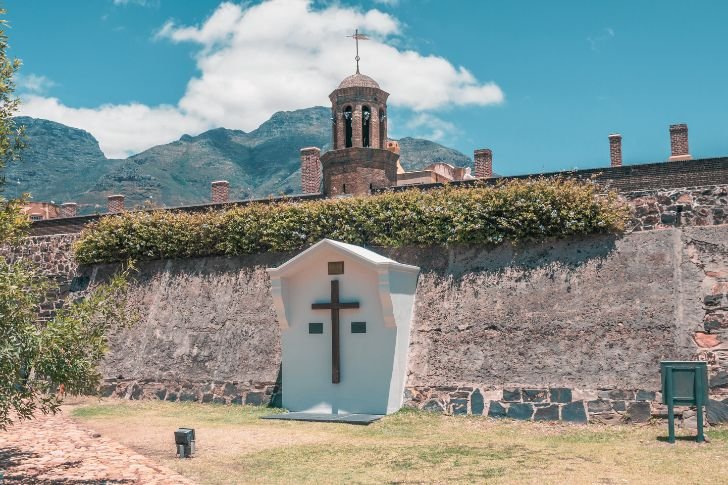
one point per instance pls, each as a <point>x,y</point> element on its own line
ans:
<point>568,330</point>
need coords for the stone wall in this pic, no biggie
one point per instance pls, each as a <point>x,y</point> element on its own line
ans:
<point>571,329</point>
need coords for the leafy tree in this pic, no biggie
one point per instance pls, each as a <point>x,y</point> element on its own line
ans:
<point>39,357</point>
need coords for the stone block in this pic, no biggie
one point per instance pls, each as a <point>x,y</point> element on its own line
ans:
<point>161,394</point>
<point>548,413</point>
<point>584,395</point>
<point>607,418</point>
<point>574,412</point>
<point>511,395</point>
<point>187,396</point>
<point>496,410</point>
<point>560,394</point>
<point>255,398</point>
<point>207,398</point>
<point>645,395</point>
<point>171,396</point>
<point>620,394</point>
<point>492,395</point>
<point>534,395</point>
<point>459,407</point>
<point>433,406</point>
<point>599,406</point>
<point>477,403</point>
<point>639,412</point>
<point>520,411</point>
<point>107,390</point>
<point>237,400</point>
<point>716,411</point>
<point>229,389</point>
<point>219,400</point>
<point>706,340</point>
<point>619,406</point>
<point>136,392</point>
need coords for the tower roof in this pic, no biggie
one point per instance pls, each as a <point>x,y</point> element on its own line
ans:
<point>359,80</point>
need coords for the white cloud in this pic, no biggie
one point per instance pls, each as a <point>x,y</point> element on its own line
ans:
<point>121,129</point>
<point>429,126</point>
<point>33,83</point>
<point>276,55</point>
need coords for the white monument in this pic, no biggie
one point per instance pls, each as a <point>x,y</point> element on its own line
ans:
<point>345,314</point>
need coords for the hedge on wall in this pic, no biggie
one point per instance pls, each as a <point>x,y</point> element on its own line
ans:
<point>516,210</point>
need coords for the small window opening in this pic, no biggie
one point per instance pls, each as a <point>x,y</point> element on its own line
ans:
<point>365,118</point>
<point>382,117</point>
<point>343,189</point>
<point>348,131</point>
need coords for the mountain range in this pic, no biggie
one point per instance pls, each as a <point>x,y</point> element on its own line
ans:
<point>65,164</point>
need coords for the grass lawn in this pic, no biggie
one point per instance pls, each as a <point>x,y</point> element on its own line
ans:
<point>235,446</point>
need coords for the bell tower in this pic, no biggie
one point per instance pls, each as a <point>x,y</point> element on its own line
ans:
<point>359,161</point>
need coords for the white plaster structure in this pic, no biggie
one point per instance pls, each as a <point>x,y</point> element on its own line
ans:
<point>373,364</point>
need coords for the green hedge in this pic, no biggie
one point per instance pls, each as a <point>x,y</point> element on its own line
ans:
<point>517,210</point>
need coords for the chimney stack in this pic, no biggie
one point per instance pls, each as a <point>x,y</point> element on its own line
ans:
<point>220,191</point>
<point>114,204</point>
<point>679,143</point>
<point>69,209</point>
<point>310,170</point>
<point>615,149</point>
<point>483,163</point>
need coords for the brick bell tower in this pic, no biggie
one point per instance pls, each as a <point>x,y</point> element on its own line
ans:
<point>359,161</point>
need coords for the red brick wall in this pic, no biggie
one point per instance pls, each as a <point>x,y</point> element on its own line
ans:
<point>114,203</point>
<point>353,170</point>
<point>615,150</point>
<point>679,142</point>
<point>483,163</point>
<point>220,191</point>
<point>310,170</point>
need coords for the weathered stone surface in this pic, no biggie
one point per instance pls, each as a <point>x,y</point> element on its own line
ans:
<point>621,394</point>
<point>574,412</point>
<point>599,406</point>
<point>206,398</point>
<point>433,406</point>
<point>619,406</point>
<point>706,340</point>
<point>645,395</point>
<point>171,396</point>
<point>255,398</point>
<point>560,394</point>
<point>476,403</point>
<point>639,412</point>
<point>522,411</point>
<point>459,406</point>
<point>511,395</point>
<point>161,394</point>
<point>548,413</point>
<point>535,395</point>
<point>607,418</point>
<point>717,411</point>
<point>496,410</point>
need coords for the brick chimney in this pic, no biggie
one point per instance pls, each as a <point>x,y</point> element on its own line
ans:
<point>310,170</point>
<point>69,209</point>
<point>615,149</point>
<point>220,191</point>
<point>483,163</point>
<point>679,143</point>
<point>114,204</point>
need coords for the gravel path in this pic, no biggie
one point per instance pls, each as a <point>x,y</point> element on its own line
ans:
<point>56,450</point>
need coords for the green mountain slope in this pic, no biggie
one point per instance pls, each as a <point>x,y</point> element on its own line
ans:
<point>65,164</point>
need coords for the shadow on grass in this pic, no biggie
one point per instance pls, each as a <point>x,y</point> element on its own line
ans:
<point>663,439</point>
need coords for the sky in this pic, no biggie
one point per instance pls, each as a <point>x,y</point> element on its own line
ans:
<point>540,83</point>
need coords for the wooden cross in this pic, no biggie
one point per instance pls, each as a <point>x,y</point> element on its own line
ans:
<point>335,305</point>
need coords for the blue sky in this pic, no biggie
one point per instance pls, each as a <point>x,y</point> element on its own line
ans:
<point>543,83</point>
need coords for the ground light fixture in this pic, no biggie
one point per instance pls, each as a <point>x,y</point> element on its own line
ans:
<point>184,439</point>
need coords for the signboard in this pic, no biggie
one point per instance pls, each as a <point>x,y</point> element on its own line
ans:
<point>684,383</point>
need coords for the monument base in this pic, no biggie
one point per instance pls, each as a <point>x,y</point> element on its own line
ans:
<point>327,418</point>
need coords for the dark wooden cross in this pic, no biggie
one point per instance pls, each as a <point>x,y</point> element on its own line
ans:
<point>335,305</point>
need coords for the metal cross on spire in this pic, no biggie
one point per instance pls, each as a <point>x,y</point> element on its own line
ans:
<point>357,37</point>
